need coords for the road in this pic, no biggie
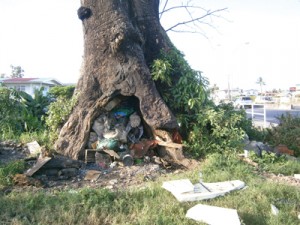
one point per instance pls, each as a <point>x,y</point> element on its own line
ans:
<point>271,114</point>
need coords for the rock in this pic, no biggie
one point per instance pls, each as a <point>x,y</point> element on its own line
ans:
<point>68,172</point>
<point>62,162</point>
<point>48,172</point>
<point>113,182</point>
<point>92,175</point>
<point>34,148</point>
<point>257,147</point>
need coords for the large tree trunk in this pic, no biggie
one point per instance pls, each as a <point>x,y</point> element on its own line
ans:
<point>121,39</point>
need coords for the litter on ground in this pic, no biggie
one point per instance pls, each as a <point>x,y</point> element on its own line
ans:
<point>213,215</point>
<point>184,190</point>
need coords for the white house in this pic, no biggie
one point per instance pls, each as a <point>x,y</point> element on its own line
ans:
<point>29,85</point>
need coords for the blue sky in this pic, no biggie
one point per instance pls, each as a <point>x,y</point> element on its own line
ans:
<point>256,38</point>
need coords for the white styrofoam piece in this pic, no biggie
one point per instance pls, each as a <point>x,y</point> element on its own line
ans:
<point>213,215</point>
<point>297,176</point>
<point>178,186</point>
<point>274,210</point>
<point>183,190</point>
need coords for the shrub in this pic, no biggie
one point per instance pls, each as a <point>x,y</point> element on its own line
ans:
<point>58,114</point>
<point>206,127</point>
<point>62,91</point>
<point>287,133</point>
<point>216,129</point>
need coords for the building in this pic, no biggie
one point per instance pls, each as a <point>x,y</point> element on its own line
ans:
<point>29,85</point>
<point>251,92</point>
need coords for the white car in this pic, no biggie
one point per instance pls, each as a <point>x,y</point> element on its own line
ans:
<point>243,102</point>
<point>264,99</point>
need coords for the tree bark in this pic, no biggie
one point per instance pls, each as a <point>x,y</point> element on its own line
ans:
<point>121,40</point>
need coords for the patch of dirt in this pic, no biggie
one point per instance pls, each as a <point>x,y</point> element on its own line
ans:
<point>290,180</point>
<point>280,178</point>
<point>116,177</point>
<point>11,151</point>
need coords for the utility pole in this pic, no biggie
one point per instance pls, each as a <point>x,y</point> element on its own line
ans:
<point>229,91</point>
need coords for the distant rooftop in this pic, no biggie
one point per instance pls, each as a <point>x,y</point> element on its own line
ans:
<point>30,80</point>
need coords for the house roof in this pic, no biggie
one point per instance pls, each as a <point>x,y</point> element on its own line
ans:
<point>49,81</point>
<point>18,80</point>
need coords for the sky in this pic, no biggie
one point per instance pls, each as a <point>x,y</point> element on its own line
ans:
<point>254,38</point>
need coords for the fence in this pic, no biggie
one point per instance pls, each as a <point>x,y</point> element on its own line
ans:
<point>253,113</point>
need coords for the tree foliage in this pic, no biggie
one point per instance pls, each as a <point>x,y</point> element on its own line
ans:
<point>16,72</point>
<point>261,82</point>
<point>183,89</point>
<point>62,91</point>
<point>11,110</point>
<point>20,112</point>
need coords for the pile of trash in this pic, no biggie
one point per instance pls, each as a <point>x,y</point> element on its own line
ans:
<point>56,171</point>
<point>119,136</point>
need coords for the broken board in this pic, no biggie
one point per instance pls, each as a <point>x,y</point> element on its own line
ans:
<point>40,162</point>
<point>183,190</point>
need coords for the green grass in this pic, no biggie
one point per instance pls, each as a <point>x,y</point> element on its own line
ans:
<point>41,136</point>
<point>154,205</point>
<point>8,171</point>
<point>272,163</point>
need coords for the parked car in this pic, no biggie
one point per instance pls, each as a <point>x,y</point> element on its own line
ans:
<point>264,99</point>
<point>243,102</point>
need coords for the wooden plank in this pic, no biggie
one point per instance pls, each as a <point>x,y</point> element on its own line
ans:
<point>169,144</point>
<point>40,162</point>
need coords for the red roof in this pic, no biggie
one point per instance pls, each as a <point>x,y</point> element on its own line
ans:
<point>18,80</point>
